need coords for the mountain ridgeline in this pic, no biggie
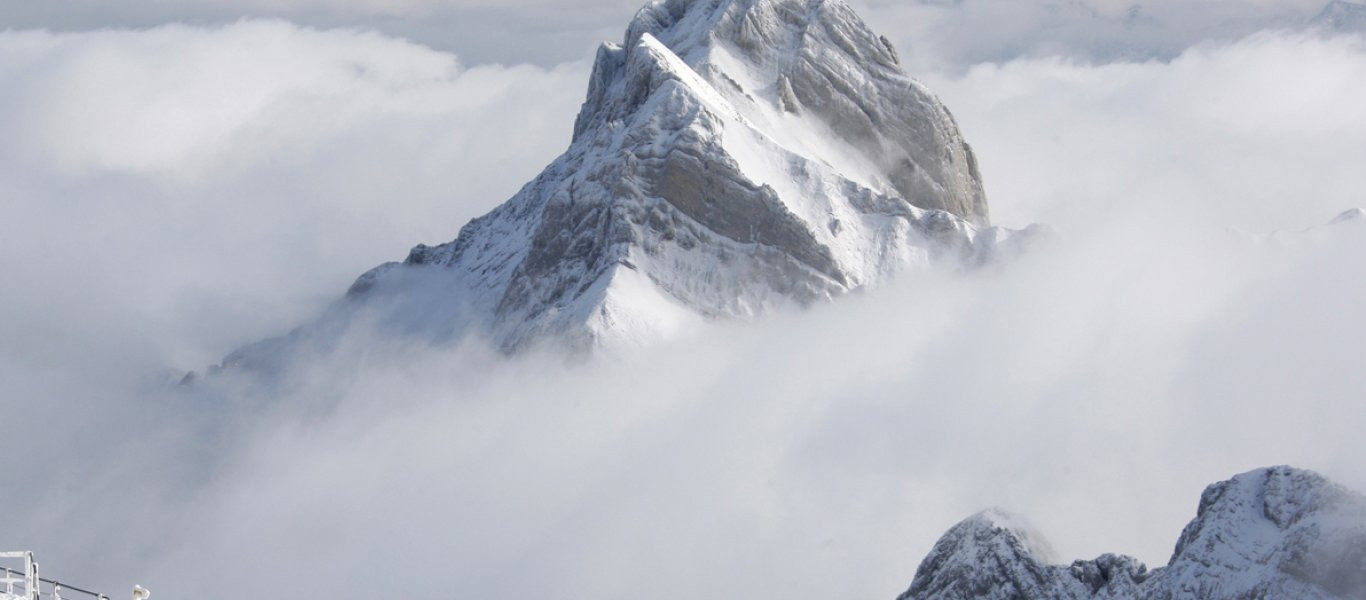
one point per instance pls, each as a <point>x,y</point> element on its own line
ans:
<point>1273,534</point>
<point>732,156</point>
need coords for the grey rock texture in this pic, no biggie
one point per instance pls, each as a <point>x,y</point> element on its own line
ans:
<point>991,557</point>
<point>1268,534</point>
<point>818,57</point>
<point>731,156</point>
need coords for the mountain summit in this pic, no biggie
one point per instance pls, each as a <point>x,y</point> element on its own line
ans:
<point>731,156</point>
<point>1271,533</point>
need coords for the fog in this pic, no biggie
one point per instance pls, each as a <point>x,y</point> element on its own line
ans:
<point>169,194</point>
<point>201,188</point>
<point>1259,134</point>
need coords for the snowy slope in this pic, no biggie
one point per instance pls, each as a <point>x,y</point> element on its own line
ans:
<point>1270,533</point>
<point>732,156</point>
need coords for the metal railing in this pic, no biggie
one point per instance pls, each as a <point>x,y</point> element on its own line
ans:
<point>29,585</point>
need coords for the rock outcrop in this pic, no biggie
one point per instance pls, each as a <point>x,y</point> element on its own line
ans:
<point>1271,533</point>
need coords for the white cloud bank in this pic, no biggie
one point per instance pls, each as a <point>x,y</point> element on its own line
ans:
<point>933,34</point>
<point>1260,134</point>
<point>948,35</point>
<point>205,187</point>
<point>174,192</point>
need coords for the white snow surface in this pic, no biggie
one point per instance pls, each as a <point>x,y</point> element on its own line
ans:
<point>1271,533</point>
<point>732,156</point>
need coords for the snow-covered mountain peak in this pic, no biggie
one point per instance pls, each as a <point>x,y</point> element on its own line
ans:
<point>1270,533</point>
<point>993,555</point>
<point>731,157</point>
<point>1355,215</point>
<point>812,77</point>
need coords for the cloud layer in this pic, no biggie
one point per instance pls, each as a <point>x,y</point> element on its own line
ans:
<point>934,35</point>
<point>948,35</point>
<point>171,193</point>
<point>1257,134</point>
<point>219,184</point>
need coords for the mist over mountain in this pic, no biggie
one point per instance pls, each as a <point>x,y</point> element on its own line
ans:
<point>936,35</point>
<point>1342,16</point>
<point>174,191</point>
<point>731,158</point>
<point>1271,533</point>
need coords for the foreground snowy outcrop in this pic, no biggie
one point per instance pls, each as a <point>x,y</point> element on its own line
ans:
<point>731,156</point>
<point>1271,533</point>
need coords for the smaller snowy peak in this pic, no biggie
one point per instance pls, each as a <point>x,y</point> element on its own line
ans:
<point>1341,227</point>
<point>1354,216</point>
<point>1271,533</point>
<point>995,556</point>
<point>1342,17</point>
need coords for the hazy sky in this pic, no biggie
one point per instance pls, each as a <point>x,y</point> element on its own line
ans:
<point>932,33</point>
<point>169,192</point>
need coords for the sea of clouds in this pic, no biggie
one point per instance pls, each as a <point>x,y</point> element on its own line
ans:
<point>169,194</point>
<point>932,34</point>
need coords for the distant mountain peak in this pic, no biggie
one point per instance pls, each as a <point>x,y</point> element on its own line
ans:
<point>1271,533</point>
<point>1342,16</point>
<point>1355,215</point>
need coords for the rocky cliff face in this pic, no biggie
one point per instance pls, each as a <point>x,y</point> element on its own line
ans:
<point>1271,533</point>
<point>731,156</point>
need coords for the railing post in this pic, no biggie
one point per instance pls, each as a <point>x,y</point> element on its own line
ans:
<point>32,582</point>
<point>36,580</point>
